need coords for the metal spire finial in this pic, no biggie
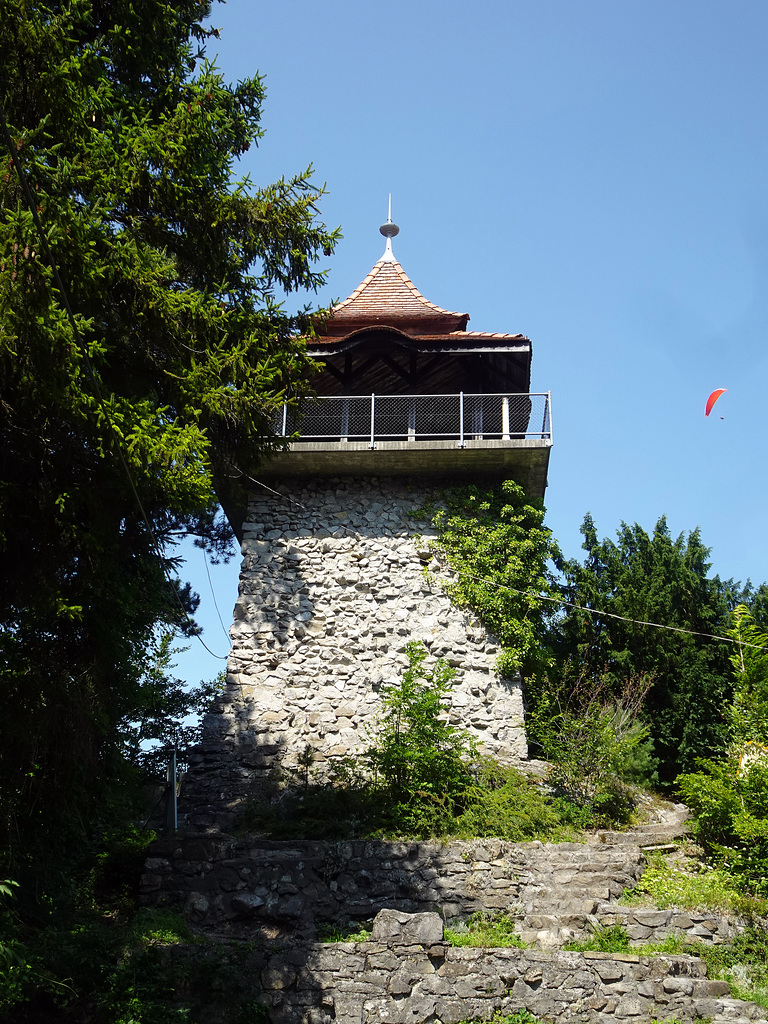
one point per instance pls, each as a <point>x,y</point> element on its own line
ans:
<point>389,230</point>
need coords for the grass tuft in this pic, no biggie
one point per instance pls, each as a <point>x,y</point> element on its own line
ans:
<point>694,886</point>
<point>519,1017</point>
<point>335,932</point>
<point>484,930</point>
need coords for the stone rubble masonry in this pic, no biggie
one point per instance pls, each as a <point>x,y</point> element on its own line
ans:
<point>406,974</point>
<point>400,984</point>
<point>556,892</point>
<point>336,579</point>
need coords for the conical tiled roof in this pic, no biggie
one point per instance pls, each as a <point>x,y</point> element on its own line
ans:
<point>388,297</point>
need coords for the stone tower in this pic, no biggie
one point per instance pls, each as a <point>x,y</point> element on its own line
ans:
<point>333,583</point>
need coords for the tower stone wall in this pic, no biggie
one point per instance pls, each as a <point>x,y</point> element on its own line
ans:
<point>336,580</point>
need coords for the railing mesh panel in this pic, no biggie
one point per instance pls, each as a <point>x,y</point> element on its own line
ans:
<point>419,417</point>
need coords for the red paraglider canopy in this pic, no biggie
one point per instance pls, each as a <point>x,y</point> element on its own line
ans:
<point>713,398</point>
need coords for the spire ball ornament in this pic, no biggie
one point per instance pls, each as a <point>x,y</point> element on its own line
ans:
<point>389,230</point>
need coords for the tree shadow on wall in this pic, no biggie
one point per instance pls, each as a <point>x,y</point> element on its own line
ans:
<point>229,770</point>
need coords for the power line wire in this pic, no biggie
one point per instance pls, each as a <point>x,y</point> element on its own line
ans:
<point>213,594</point>
<point>542,597</point>
<point>597,611</point>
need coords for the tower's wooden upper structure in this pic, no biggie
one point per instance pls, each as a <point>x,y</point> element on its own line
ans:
<point>386,338</point>
<point>405,388</point>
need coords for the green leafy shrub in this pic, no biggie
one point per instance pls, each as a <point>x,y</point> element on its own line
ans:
<point>743,963</point>
<point>420,777</point>
<point>729,798</point>
<point>416,752</point>
<point>506,804</point>
<point>730,806</point>
<point>500,802</point>
<point>593,747</point>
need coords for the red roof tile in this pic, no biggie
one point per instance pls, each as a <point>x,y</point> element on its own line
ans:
<point>388,296</point>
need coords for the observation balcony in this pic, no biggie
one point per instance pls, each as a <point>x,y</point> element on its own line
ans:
<point>459,435</point>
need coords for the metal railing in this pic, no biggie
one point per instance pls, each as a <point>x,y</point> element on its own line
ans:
<point>462,417</point>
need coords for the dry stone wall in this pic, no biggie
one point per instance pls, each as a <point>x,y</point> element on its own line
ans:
<point>332,589</point>
<point>407,974</point>
<point>555,891</point>
<point>380,983</point>
<point>237,885</point>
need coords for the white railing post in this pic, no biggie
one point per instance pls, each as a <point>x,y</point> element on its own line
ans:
<point>372,444</point>
<point>344,435</point>
<point>461,420</point>
<point>505,418</point>
<point>285,418</point>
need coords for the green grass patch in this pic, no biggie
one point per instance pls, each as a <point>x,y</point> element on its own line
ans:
<point>671,945</point>
<point>155,926</point>
<point>519,1017</point>
<point>614,939</point>
<point>484,930</point>
<point>693,887</point>
<point>743,963</point>
<point>608,939</point>
<point>334,932</point>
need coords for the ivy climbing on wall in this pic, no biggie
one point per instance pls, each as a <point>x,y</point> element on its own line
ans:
<point>500,552</point>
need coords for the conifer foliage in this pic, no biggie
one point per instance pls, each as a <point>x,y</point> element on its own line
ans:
<point>121,420</point>
<point>683,679</point>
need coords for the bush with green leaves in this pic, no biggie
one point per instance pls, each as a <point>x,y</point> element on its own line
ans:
<point>691,885</point>
<point>594,748</point>
<point>729,798</point>
<point>417,756</point>
<point>419,777</point>
<point>730,807</point>
<point>503,803</point>
<point>743,963</point>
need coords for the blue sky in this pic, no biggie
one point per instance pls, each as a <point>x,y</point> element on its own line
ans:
<point>593,175</point>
